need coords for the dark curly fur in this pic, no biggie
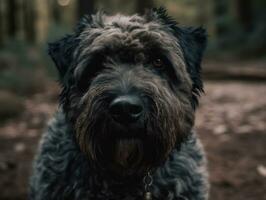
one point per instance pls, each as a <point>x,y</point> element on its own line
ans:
<point>86,154</point>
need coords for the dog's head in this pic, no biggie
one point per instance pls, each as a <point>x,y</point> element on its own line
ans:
<point>130,87</point>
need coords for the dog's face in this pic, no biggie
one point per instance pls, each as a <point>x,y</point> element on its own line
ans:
<point>130,87</point>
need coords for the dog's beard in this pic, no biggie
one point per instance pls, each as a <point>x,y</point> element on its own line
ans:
<point>116,151</point>
<point>122,153</point>
<point>128,152</point>
<point>128,156</point>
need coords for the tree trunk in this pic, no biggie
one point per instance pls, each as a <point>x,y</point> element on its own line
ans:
<point>2,22</point>
<point>202,12</point>
<point>12,17</point>
<point>30,16</point>
<point>220,11</point>
<point>41,21</point>
<point>243,13</point>
<point>56,12</point>
<point>20,19</point>
<point>142,5</point>
<point>85,7</point>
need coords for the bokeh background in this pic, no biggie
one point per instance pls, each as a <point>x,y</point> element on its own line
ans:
<point>231,119</point>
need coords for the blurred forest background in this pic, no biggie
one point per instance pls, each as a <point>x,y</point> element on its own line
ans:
<point>231,119</point>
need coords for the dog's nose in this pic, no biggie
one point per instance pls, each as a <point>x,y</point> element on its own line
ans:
<point>126,109</point>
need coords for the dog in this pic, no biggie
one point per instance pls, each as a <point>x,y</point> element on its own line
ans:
<point>124,128</point>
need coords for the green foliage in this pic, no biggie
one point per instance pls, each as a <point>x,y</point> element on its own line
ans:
<point>21,68</point>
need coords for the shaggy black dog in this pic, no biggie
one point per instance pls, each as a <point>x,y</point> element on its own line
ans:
<point>124,128</point>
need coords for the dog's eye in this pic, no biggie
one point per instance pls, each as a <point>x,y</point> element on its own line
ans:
<point>158,63</point>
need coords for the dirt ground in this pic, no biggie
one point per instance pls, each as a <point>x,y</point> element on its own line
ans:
<point>231,122</point>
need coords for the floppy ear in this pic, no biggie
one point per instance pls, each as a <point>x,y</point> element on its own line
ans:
<point>61,53</point>
<point>193,42</point>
